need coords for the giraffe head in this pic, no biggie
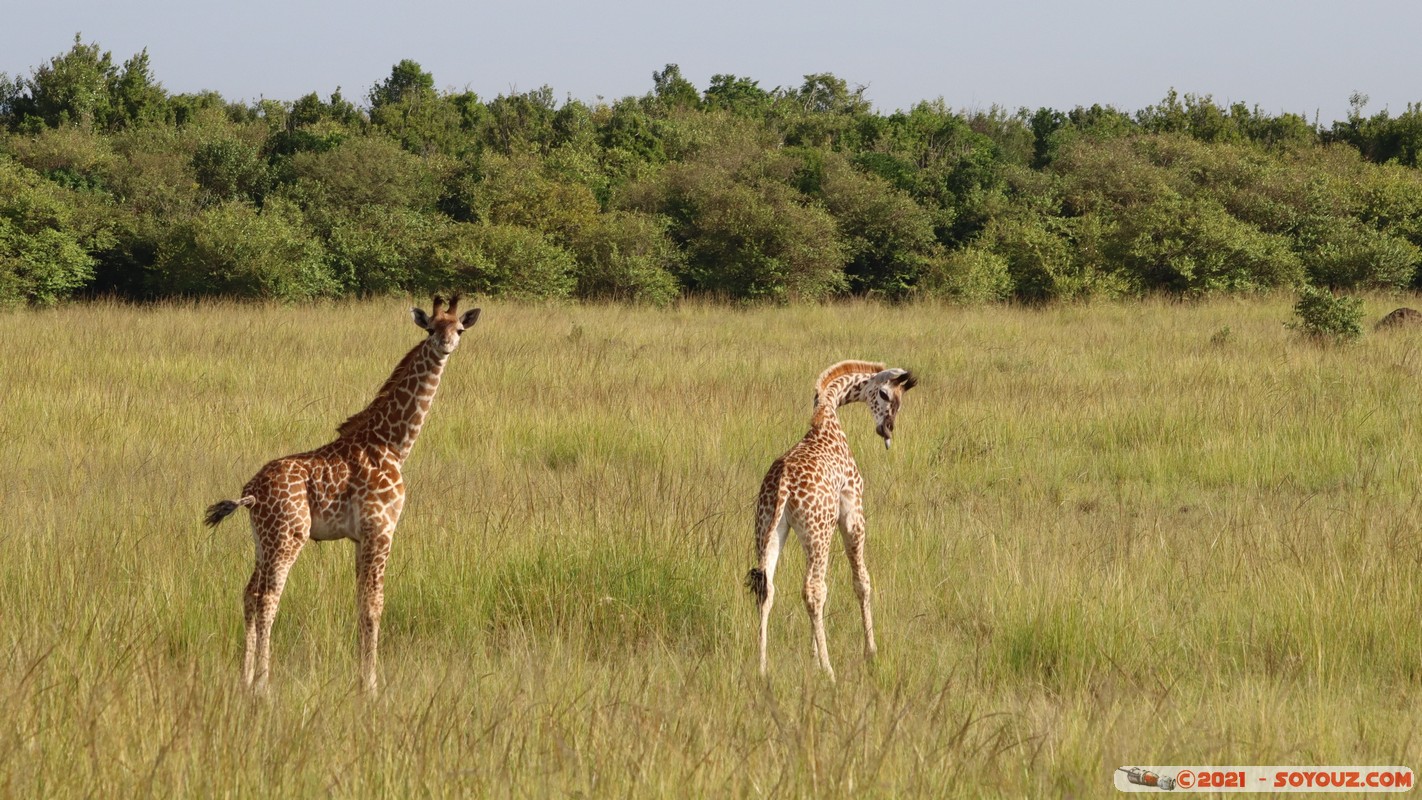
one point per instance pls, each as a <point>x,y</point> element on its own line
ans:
<point>442,325</point>
<point>883,393</point>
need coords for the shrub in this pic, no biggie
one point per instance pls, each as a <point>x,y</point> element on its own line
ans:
<point>745,232</point>
<point>381,249</point>
<point>761,243</point>
<point>42,268</point>
<point>625,255</point>
<point>1040,260</point>
<point>1325,316</point>
<point>365,170</point>
<point>45,240</point>
<point>152,173</point>
<point>73,157</point>
<point>888,237</point>
<point>971,275</point>
<point>231,249</point>
<point>500,260</point>
<point>1392,202</point>
<point>1195,247</point>
<point>514,191</point>
<point>1345,254</point>
<point>230,169</point>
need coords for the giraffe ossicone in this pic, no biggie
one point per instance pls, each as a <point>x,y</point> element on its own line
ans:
<point>816,487</point>
<point>351,488</point>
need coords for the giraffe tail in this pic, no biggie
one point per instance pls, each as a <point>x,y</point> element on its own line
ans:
<point>218,511</point>
<point>755,581</point>
<point>767,521</point>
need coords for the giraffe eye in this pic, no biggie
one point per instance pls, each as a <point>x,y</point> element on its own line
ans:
<point>884,393</point>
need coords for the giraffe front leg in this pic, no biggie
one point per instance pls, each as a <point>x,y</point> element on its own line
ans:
<point>371,554</point>
<point>251,605</point>
<point>765,605</point>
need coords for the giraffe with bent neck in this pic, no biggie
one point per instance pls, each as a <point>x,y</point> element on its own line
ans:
<point>815,487</point>
<point>351,488</point>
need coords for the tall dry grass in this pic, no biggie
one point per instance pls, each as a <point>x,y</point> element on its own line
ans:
<point>1106,535</point>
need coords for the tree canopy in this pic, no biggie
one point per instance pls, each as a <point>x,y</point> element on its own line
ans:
<point>112,185</point>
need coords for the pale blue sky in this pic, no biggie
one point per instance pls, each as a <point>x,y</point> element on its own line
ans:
<point>1305,56</point>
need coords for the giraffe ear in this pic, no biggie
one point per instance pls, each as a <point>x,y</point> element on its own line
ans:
<point>906,379</point>
<point>469,318</point>
<point>421,318</point>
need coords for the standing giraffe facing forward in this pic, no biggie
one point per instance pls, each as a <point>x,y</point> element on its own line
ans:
<point>816,485</point>
<point>348,489</point>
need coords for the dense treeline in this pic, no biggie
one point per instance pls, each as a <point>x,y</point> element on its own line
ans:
<point>111,185</point>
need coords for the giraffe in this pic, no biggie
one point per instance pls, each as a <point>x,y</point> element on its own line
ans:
<point>350,488</point>
<point>817,485</point>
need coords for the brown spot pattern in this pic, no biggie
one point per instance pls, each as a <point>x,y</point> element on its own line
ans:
<point>814,488</point>
<point>351,488</point>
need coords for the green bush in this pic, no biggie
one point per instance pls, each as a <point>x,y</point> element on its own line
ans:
<point>971,275</point>
<point>379,249</point>
<point>763,244</point>
<point>362,171</point>
<point>746,234</point>
<point>41,268</point>
<point>1041,260</point>
<point>514,191</point>
<point>45,239</point>
<point>152,174</point>
<point>232,249</point>
<point>500,260</point>
<point>1109,174</point>
<point>1325,316</point>
<point>72,157</point>
<point>1392,201</point>
<point>624,255</point>
<point>230,169</point>
<point>1343,253</point>
<point>889,239</point>
<point>1196,247</point>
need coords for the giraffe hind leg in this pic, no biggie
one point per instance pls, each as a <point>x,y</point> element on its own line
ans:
<point>277,548</point>
<point>251,604</point>
<point>762,580</point>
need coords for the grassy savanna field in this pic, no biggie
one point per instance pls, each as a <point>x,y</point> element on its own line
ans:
<point>1107,535</point>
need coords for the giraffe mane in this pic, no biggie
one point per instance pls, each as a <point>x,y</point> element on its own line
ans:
<point>843,368</point>
<point>360,420</point>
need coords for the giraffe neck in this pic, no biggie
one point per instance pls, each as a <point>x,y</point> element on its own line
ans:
<point>393,419</point>
<point>841,391</point>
